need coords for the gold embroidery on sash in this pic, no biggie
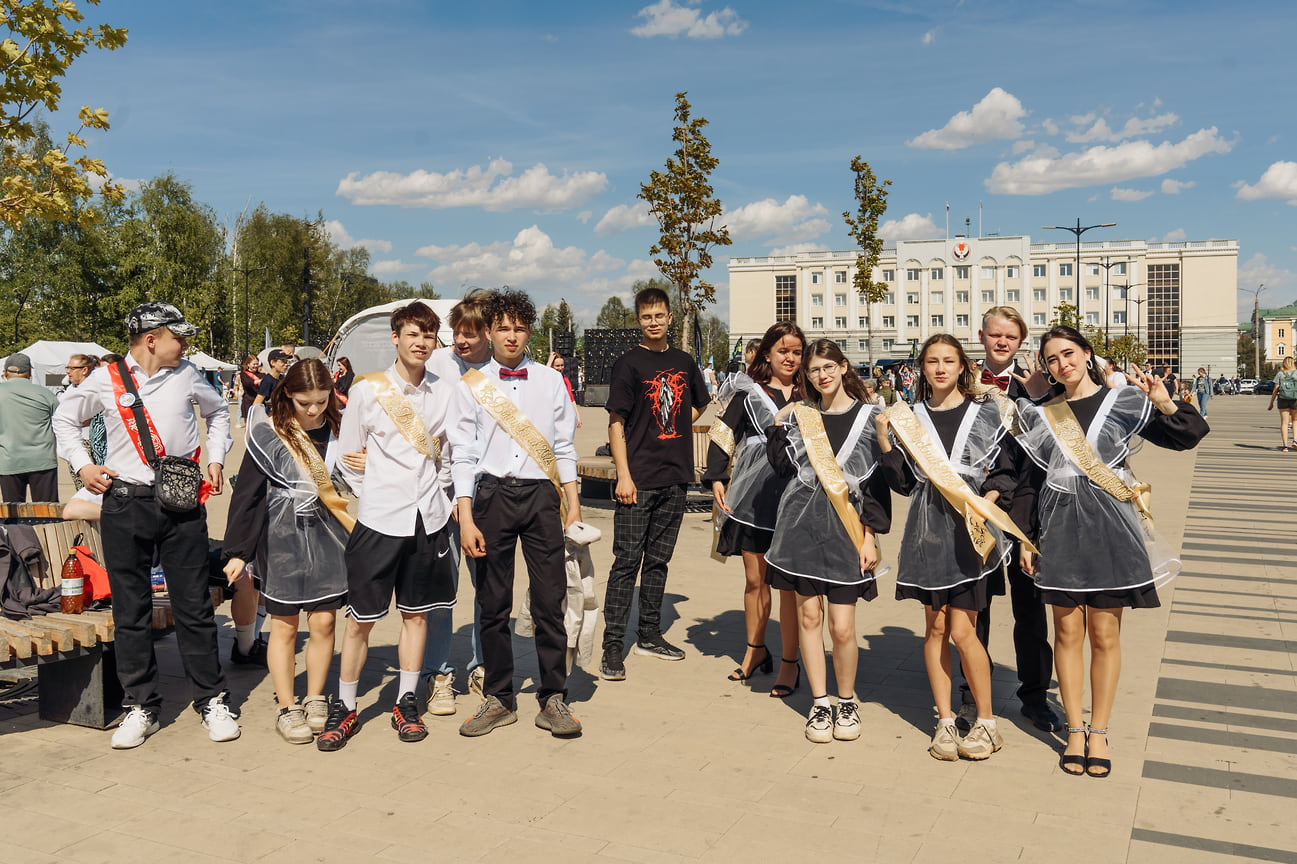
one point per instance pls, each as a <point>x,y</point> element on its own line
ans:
<point>722,436</point>
<point>939,471</point>
<point>517,424</point>
<point>1077,447</point>
<point>1008,410</point>
<point>820,453</point>
<point>402,414</point>
<point>308,458</point>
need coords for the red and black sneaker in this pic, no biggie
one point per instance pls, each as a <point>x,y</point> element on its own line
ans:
<point>339,728</point>
<point>406,721</point>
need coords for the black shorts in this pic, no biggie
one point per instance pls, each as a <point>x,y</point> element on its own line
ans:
<point>292,610</point>
<point>419,569</point>
<point>1287,404</point>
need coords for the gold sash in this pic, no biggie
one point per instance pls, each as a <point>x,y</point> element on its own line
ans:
<point>722,436</point>
<point>936,466</point>
<point>827,469</point>
<point>301,448</point>
<point>1077,447</point>
<point>1008,410</point>
<point>517,424</point>
<point>401,413</point>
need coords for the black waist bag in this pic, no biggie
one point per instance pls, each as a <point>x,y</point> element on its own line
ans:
<point>176,480</point>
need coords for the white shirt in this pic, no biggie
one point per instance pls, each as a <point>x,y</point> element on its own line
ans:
<point>480,446</point>
<point>399,482</point>
<point>446,362</point>
<point>168,395</point>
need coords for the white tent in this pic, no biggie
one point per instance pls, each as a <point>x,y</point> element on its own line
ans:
<point>366,337</point>
<point>208,363</point>
<point>48,359</point>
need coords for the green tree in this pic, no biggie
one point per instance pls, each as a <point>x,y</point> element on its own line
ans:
<point>1127,350</point>
<point>1066,315</point>
<point>871,203</point>
<point>683,203</point>
<point>615,315</point>
<point>716,343</point>
<point>41,182</point>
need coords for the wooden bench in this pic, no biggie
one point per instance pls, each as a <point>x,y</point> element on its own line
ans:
<point>599,473</point>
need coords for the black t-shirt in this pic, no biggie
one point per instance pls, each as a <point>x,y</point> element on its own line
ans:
<point>268,385</point>
<point>655,393</point>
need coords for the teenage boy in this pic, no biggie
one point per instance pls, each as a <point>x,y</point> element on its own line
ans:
<point>153,381</point>
<point>513,456</point>
<point>656,393</point>
<point>278,359</point>
<point>400,544</point>
<point>1002,334</point>
<point>470,349</point>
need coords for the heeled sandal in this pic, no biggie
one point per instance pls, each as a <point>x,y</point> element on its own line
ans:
<point>783,691</point>
<point>765,667</point>
<point>1096,761</point>
<point>1072,759</point>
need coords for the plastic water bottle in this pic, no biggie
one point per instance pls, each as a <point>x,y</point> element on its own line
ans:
<point>157,580</point>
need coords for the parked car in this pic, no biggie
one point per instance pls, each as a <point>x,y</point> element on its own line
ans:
<point>1265,388</point>
<point>1247,385</point>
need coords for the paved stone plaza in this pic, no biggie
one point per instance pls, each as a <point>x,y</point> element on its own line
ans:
<point>679,764</point>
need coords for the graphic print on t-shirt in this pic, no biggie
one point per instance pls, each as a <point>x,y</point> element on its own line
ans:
<point>665,393</point>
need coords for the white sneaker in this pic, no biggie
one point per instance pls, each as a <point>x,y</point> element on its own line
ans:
<point>846,725</point>
<point>317,712</point>
<point>292,726</point>
<point>138,725</point>
<point>441,694</point>
<point>220,722</point>
<point>945,743</point>
<point>819,725</point>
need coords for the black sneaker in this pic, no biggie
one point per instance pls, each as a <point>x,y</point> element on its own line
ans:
<point>656,646</point>
<point>406,721</point>
<point>966,718</point>
<point>338,729</point>
<point>256,655</point>
<point>611,668</point>
<point>1043,717</point>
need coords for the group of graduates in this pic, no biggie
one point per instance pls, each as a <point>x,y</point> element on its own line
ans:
<point>1017,471</point>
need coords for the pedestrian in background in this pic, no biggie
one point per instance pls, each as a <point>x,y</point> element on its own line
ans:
<point>28,459</point>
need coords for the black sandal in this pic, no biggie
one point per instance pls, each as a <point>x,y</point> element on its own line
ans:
<point>765,667</point>
<point>1095,761</point>
<point>1072,759</point>
<point>783,691</point>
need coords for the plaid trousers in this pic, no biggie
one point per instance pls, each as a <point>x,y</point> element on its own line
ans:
<point>642,533</point>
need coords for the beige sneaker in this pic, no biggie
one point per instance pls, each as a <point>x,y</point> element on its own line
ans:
<point>477,681</point>
<point>293,727</point>
<point>980,742</point>
<point>441,694</point>
<point>945,743</point>
<point>317,712</point>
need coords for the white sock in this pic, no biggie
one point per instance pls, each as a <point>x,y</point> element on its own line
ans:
<point>842,699</point>
<point>244,635</point>
<point>347,693</point>
<point>409,683</point>
<point>988,722</point>
<point>945,721</point>
<point>822,701</point>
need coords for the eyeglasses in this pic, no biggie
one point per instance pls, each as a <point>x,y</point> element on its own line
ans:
<point>829,369</point>
<point>70,368</point>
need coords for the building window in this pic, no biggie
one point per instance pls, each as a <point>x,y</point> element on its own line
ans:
<point>938,320</point>
<point>1013,295</point>
<point>961,320</point>
<point>912,274</point>
<point>890,298</point>
<point>1163,312</point>
<point>961,272</point>
<point>840,322</point>
<point>840,277</point>
<point>1118,317</point>
<point>817,323</point>
<point>1065,294</point>
<point>988,272</point>
<point>1038,270</point>
<point>862,344</point>
<point>961,296</point>
<point>937,273</point>
<point>889,275</point>
<point>1038,319</point>
<point>888,343</point>
<point>988,297</point>
<point>1092,318</point>
<point>1280,332</point>
<point>842,343</point>
<point>1120,291</point>
<point>862,321</point>
<point>1281,350</point>
<point>1119,268</point>
<point>785,298</point>
<point>889,320</point>
<point>1038,295</point>
<point>937,297</point>
<point>839,299</point>
<point>1091,269</point>
<point>1091,293</point>
<point>911,320</point>
<point>815,278</point>
<point>1065,269</point>
<point>817,299</point>
<point>912,298</point>
<point>1011,272</point>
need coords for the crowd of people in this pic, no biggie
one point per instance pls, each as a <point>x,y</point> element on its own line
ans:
<point>1016,472</point>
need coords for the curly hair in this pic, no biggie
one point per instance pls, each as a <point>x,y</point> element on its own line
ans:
<point>509,303</point>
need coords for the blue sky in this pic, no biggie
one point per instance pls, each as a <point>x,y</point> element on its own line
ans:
<point>504,142</point>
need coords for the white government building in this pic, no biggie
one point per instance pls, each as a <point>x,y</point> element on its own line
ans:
<point>1180,298</point>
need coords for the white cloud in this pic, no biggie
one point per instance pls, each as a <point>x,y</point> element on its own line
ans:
<point>1175,187</point>
<point>997,117</point>
<point>1258,270</point>
<point>343,240</point>
<point>1050,127</point>
<point>1133,128</point>
<point>624,217</point>
<point>796,220</point>
<point>666,18</point>
<point>1120,194</point>
<point>494,189</point>
<point>96,182</point>
<point>798,248</point>
<point>910,227</point>
<point>1175,235</point>
<point>1023,146</point>
<point>584,216</point>
<point>530,258</point>
<point>1038,175</point>
<point>929,37</point>
<point>1278,183</point>
<point>383,268</point>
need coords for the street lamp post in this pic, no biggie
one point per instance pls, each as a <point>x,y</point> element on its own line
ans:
<point>1078,231</point>
<point>247,311</point>
<point>1107,319</point>
<point>1256,331</point>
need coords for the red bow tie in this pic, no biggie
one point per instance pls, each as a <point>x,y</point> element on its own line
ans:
<point>512,373</point>
<point>989,377</point>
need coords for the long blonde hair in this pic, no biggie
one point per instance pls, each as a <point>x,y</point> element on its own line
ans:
<point>1289,364</point>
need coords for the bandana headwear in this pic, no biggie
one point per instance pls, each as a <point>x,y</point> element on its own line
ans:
<point>155,314</point>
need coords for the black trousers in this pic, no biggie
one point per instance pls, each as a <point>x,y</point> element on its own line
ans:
<point>1031,646</point>
<point>507,511</point>
<point>643,540</point>
<point>44,486</point>
<point>132,528</point>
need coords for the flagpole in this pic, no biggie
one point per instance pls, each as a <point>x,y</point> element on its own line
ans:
<point>979,220</point>
<point>947,221</point>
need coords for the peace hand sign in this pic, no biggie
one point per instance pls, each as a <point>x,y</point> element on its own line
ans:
<point>1034,381</point>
